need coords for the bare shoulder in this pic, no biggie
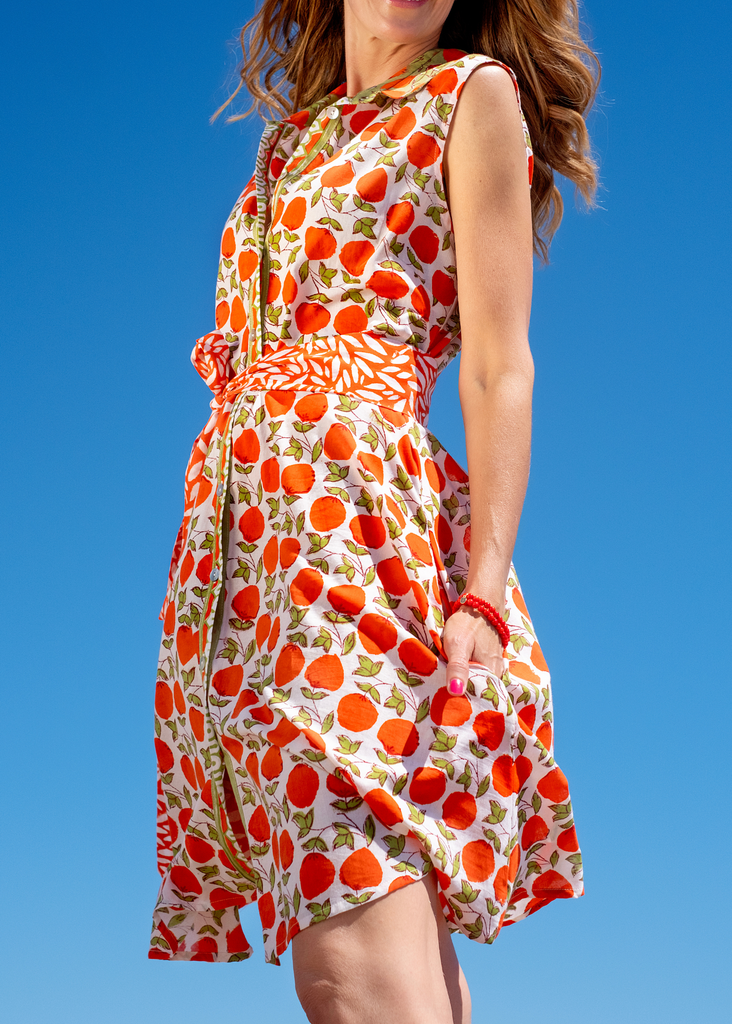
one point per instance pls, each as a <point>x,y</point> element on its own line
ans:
<point>488,194</point>
<point>486,127</point>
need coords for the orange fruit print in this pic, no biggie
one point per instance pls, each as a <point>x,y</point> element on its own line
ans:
<point>310,758</point>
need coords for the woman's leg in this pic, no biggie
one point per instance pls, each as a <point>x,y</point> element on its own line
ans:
<point>390,960</point>
<point>455,980</point>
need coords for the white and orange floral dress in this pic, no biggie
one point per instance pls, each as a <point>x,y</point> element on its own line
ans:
<point>310,757</point>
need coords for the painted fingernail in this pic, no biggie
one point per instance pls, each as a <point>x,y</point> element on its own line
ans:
<point>456,687</point>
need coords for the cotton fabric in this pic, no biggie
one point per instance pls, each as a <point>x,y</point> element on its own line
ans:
<point>310,756</point>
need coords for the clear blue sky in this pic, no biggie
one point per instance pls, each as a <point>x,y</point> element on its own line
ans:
<point>114,192</point>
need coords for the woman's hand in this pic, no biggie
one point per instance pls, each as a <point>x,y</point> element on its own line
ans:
<point>467,637</point>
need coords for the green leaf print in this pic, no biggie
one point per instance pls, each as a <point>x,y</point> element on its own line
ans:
<point>414,261</point>
<point>492,838</point>
<point>324,640</point>
<point>320,911</point>
<point>347,745</point>
<point>365,501</point>
<point>367,667</point>
<point>358,900</point>
<point>490,694</point>
<point>344,838</point>
<point>446,766</point>
<point>396,701</point>
<point>576,860</point>
<point>296,451</point>
<point>423,710</point>
<point>336,472</point>
<point>394,846</point>
<point>497,814</point>
<point>561,811</point>
<point>421,179</point>
<point>366,208</point>
<point>400,783</point>
<point>442,742</point>
<point>229,651</point>
<point>312,694</point>
<point>407,679</point>
<point>351,804</point>
<point>450,836</point>
<point>468,894</point>
<point>340,492</point>
<point>364,226</point>
<point>304,822</point>
<point>415,814</point>
<point>316,843</point>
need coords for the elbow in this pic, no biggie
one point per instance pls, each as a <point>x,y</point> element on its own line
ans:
<point>515,374</point>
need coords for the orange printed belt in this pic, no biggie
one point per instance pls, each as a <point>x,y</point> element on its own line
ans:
<point>364,366</point>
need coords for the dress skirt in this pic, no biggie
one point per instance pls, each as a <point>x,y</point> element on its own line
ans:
<point>317,761</point>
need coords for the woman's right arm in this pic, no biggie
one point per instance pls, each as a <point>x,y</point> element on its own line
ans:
<point>489,196</point>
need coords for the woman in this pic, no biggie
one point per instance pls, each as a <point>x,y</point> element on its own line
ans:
<point>335,730</point>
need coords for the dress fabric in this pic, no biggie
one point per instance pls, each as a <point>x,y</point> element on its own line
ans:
<point>309,755</point>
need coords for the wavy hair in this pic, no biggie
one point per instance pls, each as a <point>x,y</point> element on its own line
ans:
<point>294,54</point>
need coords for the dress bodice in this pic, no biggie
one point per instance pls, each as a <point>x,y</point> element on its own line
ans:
<point>338,256</point>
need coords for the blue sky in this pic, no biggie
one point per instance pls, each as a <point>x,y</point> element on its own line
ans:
<point>115,189</point>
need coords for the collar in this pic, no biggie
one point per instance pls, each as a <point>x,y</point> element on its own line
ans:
<point>409,79</point>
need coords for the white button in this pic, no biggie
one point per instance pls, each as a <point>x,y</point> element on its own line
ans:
<point>214,575</point>
<point>220,490</point>
<point>331,112</point>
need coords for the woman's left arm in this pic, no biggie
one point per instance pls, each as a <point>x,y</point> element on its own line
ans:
<point>488,192</point>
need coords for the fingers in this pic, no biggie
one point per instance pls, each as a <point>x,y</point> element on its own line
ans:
<point>457,678</point>
<point>459,645</point>
<point>467,637</point>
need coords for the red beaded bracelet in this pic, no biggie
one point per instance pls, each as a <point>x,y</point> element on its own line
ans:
<point>485,608</point>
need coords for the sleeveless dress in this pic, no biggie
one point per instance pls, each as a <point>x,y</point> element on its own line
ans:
<point>309,755</point>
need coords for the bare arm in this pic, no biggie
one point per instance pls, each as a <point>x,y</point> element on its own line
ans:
<point>487,180</point>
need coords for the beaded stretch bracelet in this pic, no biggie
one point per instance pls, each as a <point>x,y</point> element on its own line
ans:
<point>486,609</point>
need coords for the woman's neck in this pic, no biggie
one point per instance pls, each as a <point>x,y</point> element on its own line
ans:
<point>370,60</point>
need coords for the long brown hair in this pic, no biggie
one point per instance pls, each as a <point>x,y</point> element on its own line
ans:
<point>294,54</point>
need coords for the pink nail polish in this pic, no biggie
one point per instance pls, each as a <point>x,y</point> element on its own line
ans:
<point>455,687</point>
